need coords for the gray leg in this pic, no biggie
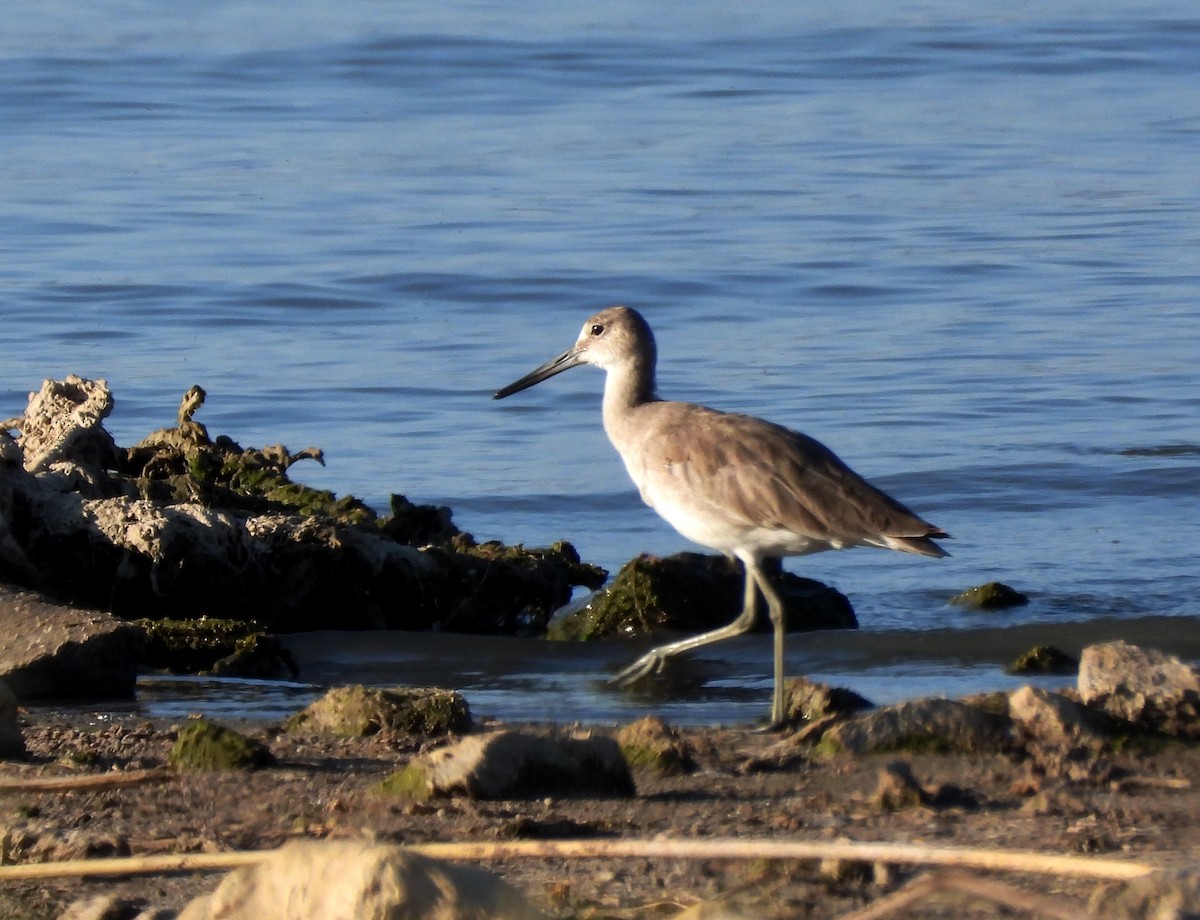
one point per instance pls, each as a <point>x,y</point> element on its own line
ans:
<point>653,661</point>
<point>775,611</point>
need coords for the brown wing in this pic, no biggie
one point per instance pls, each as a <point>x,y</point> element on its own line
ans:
<point>755,473</point>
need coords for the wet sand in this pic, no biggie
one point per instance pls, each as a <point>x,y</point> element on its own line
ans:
<point>1137,805</point>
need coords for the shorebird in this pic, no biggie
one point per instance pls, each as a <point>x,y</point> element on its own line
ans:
<point>751,489</point>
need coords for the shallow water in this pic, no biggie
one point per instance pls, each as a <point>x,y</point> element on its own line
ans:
<point>957,242</point>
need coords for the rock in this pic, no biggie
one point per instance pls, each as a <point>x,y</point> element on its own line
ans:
<point>994,595</point>
<point>183,525</point>
<point>1148,687</point>
<point>1044,659</point>
<point>113,907</point>
<point>211,645</point>
<point>652,744</point>
<point>204,745</point>
<point>1053,719</point>
<point>512,764</point>
<point>355,712</point>
<point>62,435</point>
<point>898,789</point>
<point>1158,896</point>
<point>49,650</point>
<point>12,742</point>
<point>693,592</point>
<point>809,701</point>
<point>356,880</point>
<point>919,726</point>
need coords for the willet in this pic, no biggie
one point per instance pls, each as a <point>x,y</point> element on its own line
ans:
<point>746,487</point>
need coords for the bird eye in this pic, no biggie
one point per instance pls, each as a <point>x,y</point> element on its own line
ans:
<point>597,329</point>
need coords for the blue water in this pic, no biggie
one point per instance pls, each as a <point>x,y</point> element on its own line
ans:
<point>958,242</point>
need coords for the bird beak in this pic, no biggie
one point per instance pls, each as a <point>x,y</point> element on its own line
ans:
<point>564,362</point>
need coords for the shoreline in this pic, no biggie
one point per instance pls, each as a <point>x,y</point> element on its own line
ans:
<point>1140,806</point>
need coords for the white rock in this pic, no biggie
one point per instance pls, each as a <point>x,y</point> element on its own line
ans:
<point>357,880</point>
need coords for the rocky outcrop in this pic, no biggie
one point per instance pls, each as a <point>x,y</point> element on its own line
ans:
<point>51,650</point>
<point>1147,687</point>
<point>183,525</point>
<point>351,880</point>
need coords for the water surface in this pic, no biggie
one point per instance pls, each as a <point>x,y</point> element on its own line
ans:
<point>957,242</point>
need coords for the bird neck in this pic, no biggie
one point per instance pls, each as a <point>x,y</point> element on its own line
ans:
<point>627,386</point>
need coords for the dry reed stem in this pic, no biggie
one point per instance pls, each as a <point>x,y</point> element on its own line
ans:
<point>715,848</point>
<point>90,781</point>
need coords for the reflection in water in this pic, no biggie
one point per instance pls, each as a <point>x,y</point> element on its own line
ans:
<point>531,680</point>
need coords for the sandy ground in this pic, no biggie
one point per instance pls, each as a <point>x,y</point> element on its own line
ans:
<point>1137,805</point>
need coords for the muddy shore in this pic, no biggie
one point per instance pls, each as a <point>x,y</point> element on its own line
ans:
<point>1141,804</point>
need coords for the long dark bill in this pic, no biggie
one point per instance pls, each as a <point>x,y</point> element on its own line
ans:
<point>564,362</point>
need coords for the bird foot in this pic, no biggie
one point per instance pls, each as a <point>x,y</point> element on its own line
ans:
<point>650,663</point>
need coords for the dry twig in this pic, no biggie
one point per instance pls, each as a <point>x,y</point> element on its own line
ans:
<point>89,782</point>
<point>715,848</point>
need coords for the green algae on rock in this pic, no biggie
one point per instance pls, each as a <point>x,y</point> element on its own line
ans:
<point>358,711</point>
<point>994,595</point>
<point>691,591</point>
<point>649,743</point>
<point>184,525</point>
<point>204,745</point>
<point>1043,659</point>
<point>216,647</point>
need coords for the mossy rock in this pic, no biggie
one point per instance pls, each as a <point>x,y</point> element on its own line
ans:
<point>204,745</point>
<point>925,726</point>
<point>358,711</point>
<point>807,701</point>
<point>495,589</point>
<point>653,745</point>
<point>409,782</point>
<point>994,595</point>
<point>694,592</point>
<point>210,645</point>
<point>1044,659</point>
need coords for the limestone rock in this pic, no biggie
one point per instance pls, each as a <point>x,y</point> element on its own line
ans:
<point>512,764</point>
<point>356,880</point>
<point>1054,719</point>
<point>1145,686</point>
<point>62,432</point>
<point>182,525</point>
<point>919,725</point>
<point>51,650</point>
<point>355,712</point>
<point>12,743</point>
